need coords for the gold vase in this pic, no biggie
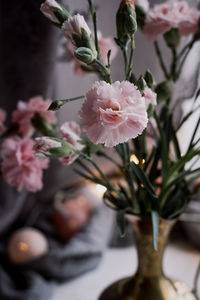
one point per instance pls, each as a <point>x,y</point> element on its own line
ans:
<point>149,282</point>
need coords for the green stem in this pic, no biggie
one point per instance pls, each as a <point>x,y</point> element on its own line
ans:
<point>194,134</point>
<point>189,45</point>
<point>182,63</point>
<point>196,279</point>
<point>130,58</point>
<point>94,19</point>
<point>173,65</point>
<point>102,70</point>
<point>162,64</point>
<point>126,64</point>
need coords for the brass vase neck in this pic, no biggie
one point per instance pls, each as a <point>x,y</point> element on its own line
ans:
<point>150,260</point>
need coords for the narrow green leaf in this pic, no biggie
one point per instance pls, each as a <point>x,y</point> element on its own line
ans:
<point>155,225</point>
<point>140,174</point>
<point>164,151</point>
<point>92,179</point>
<point>194,134</point>
<point>121,221</point>
<point>180,164</point>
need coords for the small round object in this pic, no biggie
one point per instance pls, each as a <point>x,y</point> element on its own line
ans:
<point>26,245</point>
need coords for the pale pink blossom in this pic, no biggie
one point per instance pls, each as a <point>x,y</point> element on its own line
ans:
<point>71,133</point>
<point>2,120</point>
<point>171,14</point>
<point>113,113</point>
<point>74,26</point>
<point>46,9</point>
<point>26,110</point>
<point>20,168</point>
<point>105,44</point>
<point>143,3</point>
<point>43,145</point>
<point>150,97</point>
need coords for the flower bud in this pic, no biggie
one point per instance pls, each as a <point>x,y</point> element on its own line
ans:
<point>141,84</point>
<point>126,21</point>
<point>85,55</point>
<point>43,145</point>
<point>149,79</point>
<point>164,91</point>
<point>53,147</point>
<point>75,26</point>
<point>172,38</point>
<point>54,12</point>
<point>78,32</point>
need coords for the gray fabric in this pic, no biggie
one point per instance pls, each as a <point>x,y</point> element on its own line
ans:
<point>34,281</point>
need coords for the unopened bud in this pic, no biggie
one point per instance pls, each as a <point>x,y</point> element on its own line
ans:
<point>85,55</point>
<point>53,147</point>
<point>172,38</point>
<point>126,21</point>
<point>54,12</point>
<point>141,84</point>
<point>149,79</point>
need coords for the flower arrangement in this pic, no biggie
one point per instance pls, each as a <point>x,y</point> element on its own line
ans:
<point>134,117</point>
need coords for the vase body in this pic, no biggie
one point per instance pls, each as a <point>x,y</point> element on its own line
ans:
<point>149,282</point>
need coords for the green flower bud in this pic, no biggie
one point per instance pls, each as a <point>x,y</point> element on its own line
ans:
<point>141,84</point>
<point>172,38</point>
<point>126,22</point>
<point>85,55</point>
<point>164,91</point>
<point>149,79</point>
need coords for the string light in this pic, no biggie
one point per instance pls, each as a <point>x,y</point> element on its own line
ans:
<point>134,159</point>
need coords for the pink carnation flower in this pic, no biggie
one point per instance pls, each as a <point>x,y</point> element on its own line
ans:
<point>105,44</point>
<point>2,120</point>
<point>71,133</point>
<point>113,113</point>
<point>143,3</point>
<point>150,97</point>
<point>171,14</point>
<point>74,26</point>
<point>26,111</point>
<point>19,166</point>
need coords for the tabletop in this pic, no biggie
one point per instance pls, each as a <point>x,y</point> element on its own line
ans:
<point>117,263</point>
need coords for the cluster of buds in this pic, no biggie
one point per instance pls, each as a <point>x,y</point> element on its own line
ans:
<point>126,22</point>
<point>74,28</point>
<point>77,31</point>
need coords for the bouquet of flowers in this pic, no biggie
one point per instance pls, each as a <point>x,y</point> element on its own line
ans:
<point>134,117</point>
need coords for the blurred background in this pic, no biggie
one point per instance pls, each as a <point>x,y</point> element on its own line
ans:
<point>34,62</point>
